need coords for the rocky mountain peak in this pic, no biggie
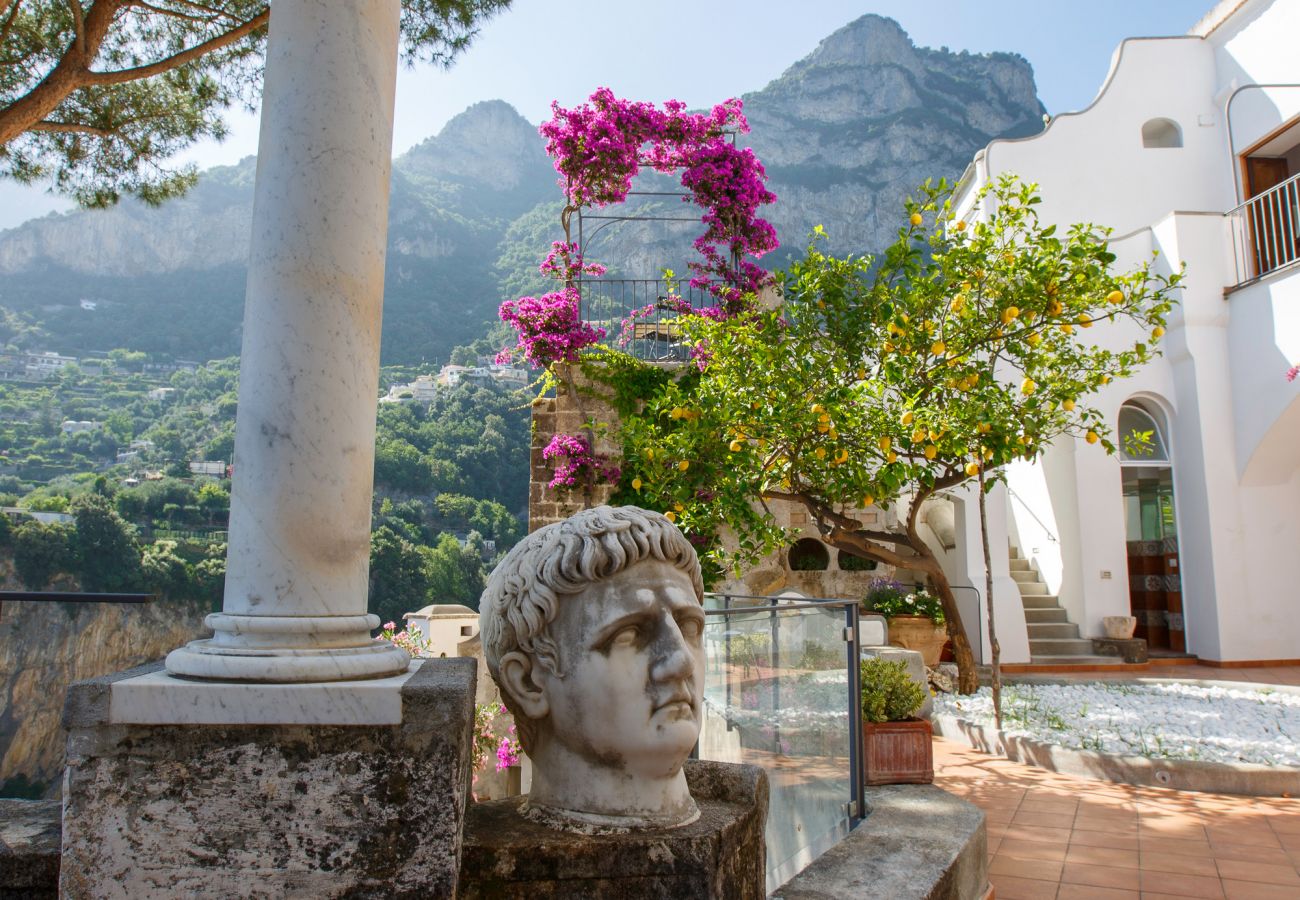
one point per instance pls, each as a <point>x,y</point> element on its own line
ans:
<point>871,40</point>
<point>489,143</point>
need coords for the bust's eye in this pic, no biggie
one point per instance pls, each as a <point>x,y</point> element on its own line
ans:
<point>628,637</point>
<point>691,628</point>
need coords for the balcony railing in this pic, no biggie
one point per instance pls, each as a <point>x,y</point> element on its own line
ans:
<point>654,335</point>
<point>1266,231</point>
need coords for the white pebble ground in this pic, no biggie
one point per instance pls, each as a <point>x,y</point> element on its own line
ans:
<point>1167,720</point>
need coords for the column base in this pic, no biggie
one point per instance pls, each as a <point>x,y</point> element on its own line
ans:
<point>363,793</point>
<point>287,649</point>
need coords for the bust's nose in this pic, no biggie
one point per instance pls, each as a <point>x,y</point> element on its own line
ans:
<point>673,660</point>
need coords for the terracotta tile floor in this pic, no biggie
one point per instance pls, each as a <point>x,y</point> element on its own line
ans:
<point>1058,837</point>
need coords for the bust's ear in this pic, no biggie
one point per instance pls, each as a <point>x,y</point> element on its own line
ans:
<point>516,676</point>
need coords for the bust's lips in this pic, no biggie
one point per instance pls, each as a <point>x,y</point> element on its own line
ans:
<point>680,700</point>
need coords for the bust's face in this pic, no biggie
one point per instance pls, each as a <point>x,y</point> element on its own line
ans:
<point>632,652</point>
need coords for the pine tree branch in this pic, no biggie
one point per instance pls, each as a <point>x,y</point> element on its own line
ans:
<point>120,76</point>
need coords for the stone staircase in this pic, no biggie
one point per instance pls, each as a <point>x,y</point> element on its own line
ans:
<point>1053,639</point>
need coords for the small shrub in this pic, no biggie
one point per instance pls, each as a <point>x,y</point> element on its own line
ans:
<point>888,692</point>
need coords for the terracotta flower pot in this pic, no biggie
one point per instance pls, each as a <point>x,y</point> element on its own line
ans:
<point>921,634</point>
<point>897,752</point>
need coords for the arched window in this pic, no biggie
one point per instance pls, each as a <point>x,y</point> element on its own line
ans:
<point>809,555</point>
<point>848,562</point>
<point>1139,437</point>
<point>1162,133</point>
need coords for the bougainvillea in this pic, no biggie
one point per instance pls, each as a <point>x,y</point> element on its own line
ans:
<point>599,147</point>
<point>581,466</point>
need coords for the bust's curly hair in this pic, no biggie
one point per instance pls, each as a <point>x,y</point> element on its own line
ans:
<point>522,594</point>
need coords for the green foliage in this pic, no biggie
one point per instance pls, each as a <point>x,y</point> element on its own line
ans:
<point>41,552</point>
<point>888,693</point>
<point>130,94</point>
<point>105,552</point>
<point>889,599</point>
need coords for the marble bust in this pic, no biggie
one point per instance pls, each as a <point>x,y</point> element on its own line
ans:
<point>593,630</point>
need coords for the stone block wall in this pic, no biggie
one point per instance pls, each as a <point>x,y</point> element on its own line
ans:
<point>569,413</point>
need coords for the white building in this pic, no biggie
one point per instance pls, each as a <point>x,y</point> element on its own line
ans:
<point>424,389</point>
<point>1191,149</point>
<point>44,363</point>
<point>444,626</point>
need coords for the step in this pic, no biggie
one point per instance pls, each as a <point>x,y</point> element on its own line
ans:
<point>1060,647</point>
<point>1035,589</point>
<point>1013,551</point>
<point>1024,577</point>
<point>1020,565</point>
<point>1053,616</point>
<point>1109,662</point>
<point>1039,601</point>
<point>1039,631</point>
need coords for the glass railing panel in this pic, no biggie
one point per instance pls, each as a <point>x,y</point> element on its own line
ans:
<point>776,696</point>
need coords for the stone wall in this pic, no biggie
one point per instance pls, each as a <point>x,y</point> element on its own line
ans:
<point>44,647</point>
<point>569,413</point>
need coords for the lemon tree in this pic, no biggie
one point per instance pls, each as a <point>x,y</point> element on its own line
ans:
<point>882,382</point>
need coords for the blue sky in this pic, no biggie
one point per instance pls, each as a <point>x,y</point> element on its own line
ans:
<point>703,51</point>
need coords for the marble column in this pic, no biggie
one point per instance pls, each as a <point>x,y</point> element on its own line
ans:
<point>298,563</point>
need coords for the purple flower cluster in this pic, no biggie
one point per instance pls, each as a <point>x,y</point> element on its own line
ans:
<point>600,146</point>
<point>581,467</point>
<point>550,328</point>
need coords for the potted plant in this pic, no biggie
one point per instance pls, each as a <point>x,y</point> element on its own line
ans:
<point>915,617</point>
<point>895,746</point>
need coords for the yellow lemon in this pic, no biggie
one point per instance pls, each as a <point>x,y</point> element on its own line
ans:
<point>649,453</point>
<point>958,303</point>
<point>884,443</point>
<point>862,374</point>
<point>841,456</point>
<point>823,428</point>
<point>1051,289</point>
<point>867,499</point>
<point>817,408</point>
<point>683,465</point>
<point>891,456</point>
<point>916,219</point>
<point>1067,328</point>
<point>833,435</point>
<point>1105,379</point>
<point>820,453</point>
<point>1157,333</point>
<point>1034,339</point>
<point>1010,313</point>
<point>934,435</point>
<point>677,412</point>
<point>889,347</point>
<point>636,484</point>
<point>670,516</point>
<point>735,446</point>
<point>931,451</point>
<point>1092,437</point>
<point>1067,405</point>
<point>972,469</point>
<point>988,453</point>
<point>937,348</point>
<point>983,427</point>
<point>918,435</point>
<point>905,419</point>
<point>1027,386</point>
<point>678,507</point>
<point>1084,321</point>
<point>1115,297</point>
<point>1055,308</point>
<point>960,226</point>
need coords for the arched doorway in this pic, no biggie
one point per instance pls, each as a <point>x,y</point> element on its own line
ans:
<point>1155,590</point>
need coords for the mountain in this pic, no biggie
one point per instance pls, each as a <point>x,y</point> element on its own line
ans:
<point>845,134</point>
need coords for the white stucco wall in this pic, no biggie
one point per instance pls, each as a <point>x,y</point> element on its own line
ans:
<point>1233,422</point>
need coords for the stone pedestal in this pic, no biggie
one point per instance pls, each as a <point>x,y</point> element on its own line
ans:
<point>187,789</point>
<point>721,855</point>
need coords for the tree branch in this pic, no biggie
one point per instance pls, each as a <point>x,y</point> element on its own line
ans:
<point>78,24</point>
<point>72,128</point>
<point>12,7</point>
<point>121,76</point>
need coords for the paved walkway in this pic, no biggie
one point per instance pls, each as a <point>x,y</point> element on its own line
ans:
<point>1056,837</point>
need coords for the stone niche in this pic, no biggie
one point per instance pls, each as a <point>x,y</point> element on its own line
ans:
<point>373,808</point>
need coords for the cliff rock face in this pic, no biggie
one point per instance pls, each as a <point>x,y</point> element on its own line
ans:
<point>44,647</point>
<point>845,134</point>
<point>849,131</point>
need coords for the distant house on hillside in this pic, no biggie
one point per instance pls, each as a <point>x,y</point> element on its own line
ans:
<point>1191,150</point>
<point>44,363</point>
<point>443,625</point>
